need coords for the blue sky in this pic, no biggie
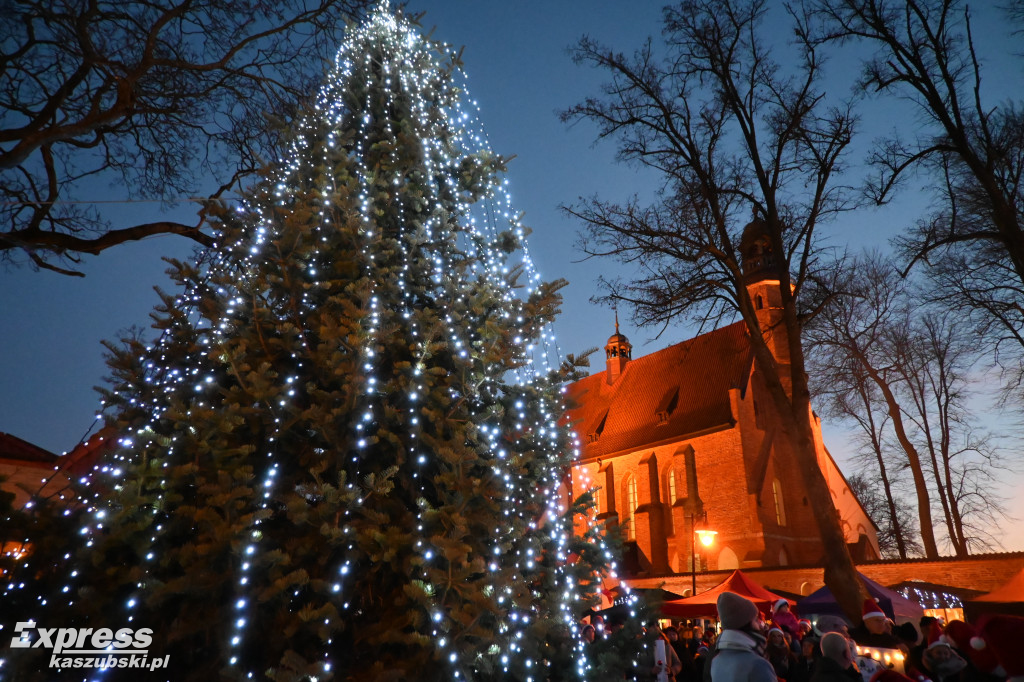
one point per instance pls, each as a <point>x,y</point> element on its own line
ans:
<point>520,73</point>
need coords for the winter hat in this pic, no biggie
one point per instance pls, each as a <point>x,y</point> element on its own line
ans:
<point>778,631</point>
<point>907,633</point>
<point>829,623</point>
<point>833,645</point>
<point>963,636</point>
<point>889,676</point>
<point>959,634</point>
<point>734,611</point>
<point>1003,635</point>
<point>871,610</point>
<point>935,637</point>
<point>805,622</point>
<point>779,604</point>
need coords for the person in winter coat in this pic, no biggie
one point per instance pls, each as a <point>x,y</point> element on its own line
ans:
<point>836,662</point>
<point>784,619</point>
<point>740,649</point>
<point>875,629</point>
<point>779,654</point>
<point>966,641</point>
<point>803,668</point>
<point>670,665</point>
<point>941,663</point>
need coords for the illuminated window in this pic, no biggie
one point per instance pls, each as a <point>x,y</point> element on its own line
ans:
<point>632,505</point>
<point>780,509</point>
<point>597,500</point>
<point>671,485</point>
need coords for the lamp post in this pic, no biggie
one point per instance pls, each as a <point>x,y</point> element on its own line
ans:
<point>707,538</point>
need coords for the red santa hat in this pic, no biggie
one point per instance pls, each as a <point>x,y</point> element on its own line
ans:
<point>935,637</point>
<point>1003,635</point>
<point>871,610</point>
<point>965,637</point>
<point>805,623</point>
<point>779,604</point>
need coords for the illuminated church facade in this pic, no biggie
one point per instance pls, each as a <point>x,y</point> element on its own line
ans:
<point>685,437</point>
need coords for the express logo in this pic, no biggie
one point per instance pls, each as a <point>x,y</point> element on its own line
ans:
<point>90,647</point>
<point>82,640</point>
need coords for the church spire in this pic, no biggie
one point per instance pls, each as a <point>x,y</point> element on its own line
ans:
<point>617,352</point>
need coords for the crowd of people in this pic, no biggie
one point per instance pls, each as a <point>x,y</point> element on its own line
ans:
<point>751,648</point>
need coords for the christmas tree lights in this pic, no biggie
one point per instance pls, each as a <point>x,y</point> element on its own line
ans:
<point>343,458</point>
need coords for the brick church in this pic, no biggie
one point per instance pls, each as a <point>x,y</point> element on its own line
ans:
<point>681,440</point>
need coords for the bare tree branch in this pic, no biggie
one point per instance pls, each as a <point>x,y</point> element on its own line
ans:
<point>160,97</point>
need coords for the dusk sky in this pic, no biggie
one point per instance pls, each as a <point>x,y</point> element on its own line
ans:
<point>520,73</point>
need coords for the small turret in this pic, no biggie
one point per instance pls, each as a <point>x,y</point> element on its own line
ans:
<point>618,352</point>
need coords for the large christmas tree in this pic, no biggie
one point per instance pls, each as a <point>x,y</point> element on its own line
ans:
<point>342,458</point>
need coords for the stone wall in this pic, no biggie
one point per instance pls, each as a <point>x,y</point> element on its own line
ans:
<point>984,572</point>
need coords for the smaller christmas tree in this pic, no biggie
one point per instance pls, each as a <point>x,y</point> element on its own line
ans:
<point>343,458</point>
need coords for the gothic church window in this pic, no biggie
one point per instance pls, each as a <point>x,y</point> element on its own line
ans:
<point>631,505</point>
<point>727,560</point>
<point>780,509</point>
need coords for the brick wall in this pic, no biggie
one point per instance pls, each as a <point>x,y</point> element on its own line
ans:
<point>984,572</point>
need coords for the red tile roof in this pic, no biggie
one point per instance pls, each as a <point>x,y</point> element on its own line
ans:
<point>671,393</point>
<point>14,449</point>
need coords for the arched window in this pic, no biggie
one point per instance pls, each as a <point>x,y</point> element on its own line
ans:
<point>631,505</point>
<point>758,302</point>
<point>597,500</point>
<point>780,508</point>
<point>672,485</point>
<point>727,560</point>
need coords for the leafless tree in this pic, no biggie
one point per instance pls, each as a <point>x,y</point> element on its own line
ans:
<point>895,520</point>
<point>846,393</point>
<point>128,100</point>
<point>912,363</point>
<point>969,139</point>
<point>859,329</point>
<point>733,135</point>
<point>934,365</point>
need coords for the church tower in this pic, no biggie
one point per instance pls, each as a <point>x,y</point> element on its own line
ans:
<point>617,352</point>
<point>762,270</point>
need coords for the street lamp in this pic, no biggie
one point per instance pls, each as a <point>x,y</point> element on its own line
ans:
<point>707,538</point>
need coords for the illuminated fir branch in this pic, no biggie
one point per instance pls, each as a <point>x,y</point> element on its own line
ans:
<point>530,435</point>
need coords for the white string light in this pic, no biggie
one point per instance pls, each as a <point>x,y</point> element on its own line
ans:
<point>441,237</point>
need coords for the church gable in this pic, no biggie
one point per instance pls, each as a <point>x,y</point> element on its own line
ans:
<point>680,390</point>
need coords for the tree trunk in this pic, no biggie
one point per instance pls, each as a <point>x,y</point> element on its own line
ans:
<point>943,494</point>
<point>944,398</point>
<point>794,410</point>
<point>894,517</point>
<point>914,374</point>
<point>924,510</point>
<point>876,446</point>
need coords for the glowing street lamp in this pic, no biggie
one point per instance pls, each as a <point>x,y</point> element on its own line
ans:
<point>707,538</point>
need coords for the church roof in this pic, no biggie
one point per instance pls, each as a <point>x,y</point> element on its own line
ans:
<point>16,450</point>
<point>670,393</point>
